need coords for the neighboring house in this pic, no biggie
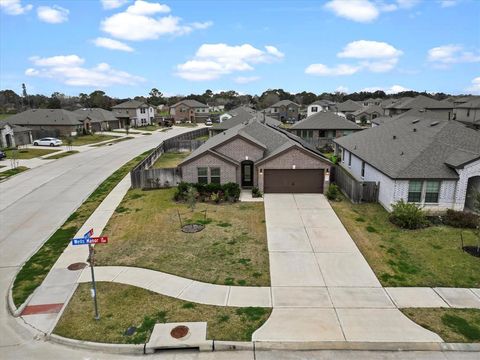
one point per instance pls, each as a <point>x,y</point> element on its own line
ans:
<point>217,108</point>
<point>190,111</point>
<point>285,111</point>
<point>431,162</point>
<point>469,113</point>
<point>14,135</point>
<point>441,109</point>
<point>101,119</point>
<point>256,154</point>
<point>320,129</point>
<point>134,113</point>
<point>372,101</point>
<point>347,108</point>
<point>318,106</point>
<point>234,112</point>
<point>242,115</point>
<point>364,117</point>
<point>51,122</point>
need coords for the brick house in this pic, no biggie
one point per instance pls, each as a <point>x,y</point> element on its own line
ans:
<point>100,119</point>
<point>134,113</point>
<point>429,161</point>
<point>285,111</point>
<point>322,128</point>
<point>257,154</point>
<point>13,135</point>
<point>191,111</point>
<point>364,117</point>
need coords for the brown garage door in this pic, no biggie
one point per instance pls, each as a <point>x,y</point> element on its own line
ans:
<point>293,181</point>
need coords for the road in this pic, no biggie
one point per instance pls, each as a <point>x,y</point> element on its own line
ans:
<point>35,203</point>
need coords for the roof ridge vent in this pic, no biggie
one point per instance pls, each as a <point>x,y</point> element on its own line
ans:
<point>434,123</point>
<point>415,121</point>
<point>394,137</point>
<point>414,129</point>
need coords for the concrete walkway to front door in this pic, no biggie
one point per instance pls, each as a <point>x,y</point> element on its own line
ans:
<point>322,287</point>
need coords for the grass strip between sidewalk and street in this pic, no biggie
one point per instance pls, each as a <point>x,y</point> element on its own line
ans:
<point>114,141</point>
<point>28,153</point>
<point>61,155</point>
<point>7,173</point>
<point>37,267</point>
<point>452,325</point>
<point>122,306</point>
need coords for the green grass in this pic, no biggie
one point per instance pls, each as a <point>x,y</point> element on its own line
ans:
<point>116,140</point>
<point>4,116</point>
<point>146,233</point>
<point>37,267</point>
<point>170,160</point>
<point>148,128</point>
<point>122,306</point>
<point>425,257</point>
<point>187,124</point>
<point>453,325</point>
<point>61,155</point>
<point>89,139</point>
<point>28,153</point>
<point>202,138</point>
<point>7,173</point>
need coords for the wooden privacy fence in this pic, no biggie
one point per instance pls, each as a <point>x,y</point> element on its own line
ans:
<point>356,191</point>
<point>144,177</point>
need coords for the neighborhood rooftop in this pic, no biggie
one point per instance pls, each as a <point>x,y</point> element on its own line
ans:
<point>47,117</point>
<point>130,104</point>
<point>325,120</point>
<point>191,103</point>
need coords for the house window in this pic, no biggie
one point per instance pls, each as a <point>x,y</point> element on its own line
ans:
<point>363,169</point>
<point>414,191</point>
<point>349,159</point>
<point>314,108</point>
<point>431,192</point>
<point>468,112</point>
<point>202,173</point>
<point>215,175</point>
<point>322,134</point>
<point>142,110</point>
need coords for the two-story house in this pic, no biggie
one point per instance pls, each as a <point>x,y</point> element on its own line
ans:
<point>469,112</point>
<point>190,111</point>
<point>134,113</point>
<point>285,111</point>
<point>318,106</point>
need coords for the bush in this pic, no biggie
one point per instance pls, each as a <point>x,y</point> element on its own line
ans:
<point>212,192</point>
<point>333,192</point>
<point>256,193</point>
<point>460,219</point>
<point>232,191</point>
<point>408,216</point>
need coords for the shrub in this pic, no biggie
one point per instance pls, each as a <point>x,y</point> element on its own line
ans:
<point>460,219</point>
<point>333,192</point>
<point>256,193</point>
<point>232,191</point>
<point>212,192</point>
<point>334,159</point>
<point>408,215</point>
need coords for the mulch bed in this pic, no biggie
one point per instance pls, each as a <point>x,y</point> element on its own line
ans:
<point>192,228</point>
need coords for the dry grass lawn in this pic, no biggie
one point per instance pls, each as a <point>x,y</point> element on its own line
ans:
<point>426,257</point>
<point>122,306</point>
<point>145,232</point>
<point>453,325</point>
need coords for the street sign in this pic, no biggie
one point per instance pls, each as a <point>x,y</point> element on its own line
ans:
<point>88,234</point>
<point>92,240</point>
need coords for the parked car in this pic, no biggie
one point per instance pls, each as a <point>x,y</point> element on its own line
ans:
<point>2,155</point>
<point>208,122</point>
<point>48,141</point>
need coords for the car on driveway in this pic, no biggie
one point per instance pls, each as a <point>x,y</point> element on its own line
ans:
<point>48,141</point>
<point>2,155</point>
<point>208,122</point>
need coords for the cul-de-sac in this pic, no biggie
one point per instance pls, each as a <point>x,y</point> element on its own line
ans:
<point>240,180</point>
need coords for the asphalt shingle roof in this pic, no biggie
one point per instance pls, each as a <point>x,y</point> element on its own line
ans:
<point>242,115</point>
<point>413,147</point>
<point>284,103</point>
<point>423,102</point>
<point>97,114</point>
<point>348,106</point>
<point>130,104</point>
<point>46,117</point>
<point>325,120</point>
<point>370,109</point>
<point>191,103</point>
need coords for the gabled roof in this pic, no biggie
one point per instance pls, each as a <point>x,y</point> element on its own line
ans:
<point>190,103</point>
<point>15,128</point>
<point>131,104</point>
<point>370,109</point>
<point>472,104</point>
<point>242,115</point>
<point>348,106</point>
<point>325,120</point>
<point>423,102</point>
<point>413,147</point>
<point>97,114</point>
<point>284,103</point>
<point>46,117</point>
<point>323,103</point>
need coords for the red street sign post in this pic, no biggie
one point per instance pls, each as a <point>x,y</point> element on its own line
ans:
<point>99,240</point>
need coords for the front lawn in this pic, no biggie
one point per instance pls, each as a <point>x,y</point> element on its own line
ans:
<point>145,232</point>
<point>453,325</point>
<point>122,306</point>
<point>88,139</point>
<point>426,257</point>
<point>61,155</point>
<point>170,160</point>
<point>187,124</point>
<point>7,173</point>
<point>28,153</point>
<point>147,128</point>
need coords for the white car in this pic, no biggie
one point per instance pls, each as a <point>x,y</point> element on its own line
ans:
<point>48,141</point>
<point>208,122</point>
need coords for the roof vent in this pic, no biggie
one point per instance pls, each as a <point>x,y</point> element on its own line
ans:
<point>415,121</point>
<point>434,123</point>
<point>414,130</point>
<point>401,153</point>
<point>394,137</point>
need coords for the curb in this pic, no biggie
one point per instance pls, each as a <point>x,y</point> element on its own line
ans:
<point>110,348</point>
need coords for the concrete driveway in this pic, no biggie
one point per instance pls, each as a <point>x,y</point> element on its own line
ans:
<point>322,287</point>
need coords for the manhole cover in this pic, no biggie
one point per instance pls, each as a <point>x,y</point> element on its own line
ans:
<point>77,266</point>
<point>179,332</point>
<point>192,228</point>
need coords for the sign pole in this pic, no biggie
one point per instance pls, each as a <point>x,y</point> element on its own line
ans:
<point>94,287</point>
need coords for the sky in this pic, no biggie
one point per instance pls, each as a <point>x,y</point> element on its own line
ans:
<point>127,47</point>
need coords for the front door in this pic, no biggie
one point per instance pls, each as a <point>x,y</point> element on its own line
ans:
<point>247,173</point>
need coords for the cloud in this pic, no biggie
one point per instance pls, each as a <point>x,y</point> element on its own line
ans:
<point>52,15</point>
<point>211,61</point>
<point>446,55</point>
<point>342,89</point>
<point>394,89</point>
<point>246,79</point>
<point>138,22</point>
<point>68,69</point>
<point>112,44</point>
<point>356,10</point>
<point>14,7</point>
<point>448,3</point>
<point>113,4</point>
<point>373,56</point>
<point>475,87</point>
<point>366,11</point>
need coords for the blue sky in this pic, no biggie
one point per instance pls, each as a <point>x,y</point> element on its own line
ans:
<point>128,47</point>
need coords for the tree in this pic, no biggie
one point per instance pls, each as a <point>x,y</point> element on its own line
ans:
<point>25,95</point>
<point>156,97</point>
<point>54,101</point>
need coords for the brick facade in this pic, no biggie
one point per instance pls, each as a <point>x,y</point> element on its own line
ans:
<point>228,171</point>
<point>238,149</point>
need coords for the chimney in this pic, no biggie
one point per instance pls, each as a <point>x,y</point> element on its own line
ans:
<point>414,130</point>
<point>394,137</point>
